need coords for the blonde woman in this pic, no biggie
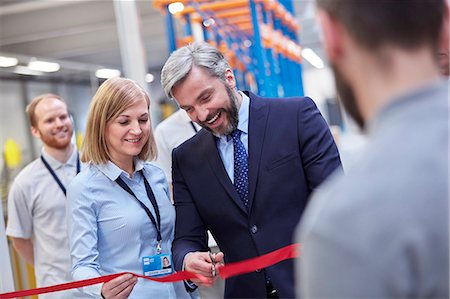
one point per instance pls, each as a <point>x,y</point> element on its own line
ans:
<point>121,218</point>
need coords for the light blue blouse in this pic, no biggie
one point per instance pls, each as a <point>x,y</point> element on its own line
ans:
<point>110,232</point>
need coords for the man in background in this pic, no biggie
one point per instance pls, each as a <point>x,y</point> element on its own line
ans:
<point>382,230</point>
<point>37,199</point>
<point>169,134</point>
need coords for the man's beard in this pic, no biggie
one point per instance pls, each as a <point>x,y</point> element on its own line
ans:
<point>232,114</point>
<point>347,98</point>
<point>54,142</point>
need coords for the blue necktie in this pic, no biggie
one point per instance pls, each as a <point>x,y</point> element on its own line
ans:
<point>240,167</point>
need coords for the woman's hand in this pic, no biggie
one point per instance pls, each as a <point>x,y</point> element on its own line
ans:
<point>119,287</point>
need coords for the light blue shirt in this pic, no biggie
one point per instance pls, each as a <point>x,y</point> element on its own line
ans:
<point>225,143</point>
<point>110,232</point>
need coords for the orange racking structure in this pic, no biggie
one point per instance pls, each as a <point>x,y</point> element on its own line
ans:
<point>258,37</point>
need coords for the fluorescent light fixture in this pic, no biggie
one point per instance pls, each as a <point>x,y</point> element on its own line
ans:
<point>107,73</point>
<point>209,22</point>
<point>176,7</point>
<point>149,78</point>
<point>43,66</point>
<point>23,70</point>
<point>312,58</point>
<point>8,61</point>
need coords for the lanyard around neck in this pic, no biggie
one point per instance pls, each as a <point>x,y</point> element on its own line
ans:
<point>151,197</point>
<point>55,177</point>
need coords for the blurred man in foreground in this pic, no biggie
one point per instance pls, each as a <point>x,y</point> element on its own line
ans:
<point>381,231</point>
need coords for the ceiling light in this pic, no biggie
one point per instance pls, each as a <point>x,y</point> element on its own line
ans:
<point>176,7</point>
<point>149,78</point>
<point>107,73</point>
<point>8,61</point>
<point>43,66</point>
<point>312,58</point>
<point>209,22</point>
<point>23,70</point>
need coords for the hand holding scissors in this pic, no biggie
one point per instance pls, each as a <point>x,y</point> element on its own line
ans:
<point>204,263</point>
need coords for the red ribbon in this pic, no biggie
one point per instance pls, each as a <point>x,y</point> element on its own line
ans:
<point>226,271</point>
<point>260,262</point>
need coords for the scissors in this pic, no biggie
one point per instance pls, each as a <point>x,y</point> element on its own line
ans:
<point>212,256</point>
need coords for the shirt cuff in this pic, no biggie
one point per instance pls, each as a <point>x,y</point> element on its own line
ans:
<point>92,291</point>
<point>190,286</point>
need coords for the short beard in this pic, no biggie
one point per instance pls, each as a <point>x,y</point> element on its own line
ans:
<point>234,112</point>
<point>233,115</point>
<point>52,142</point>
<point>347,98</point>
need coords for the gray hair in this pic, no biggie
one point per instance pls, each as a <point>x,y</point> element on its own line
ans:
<point>179,64</point>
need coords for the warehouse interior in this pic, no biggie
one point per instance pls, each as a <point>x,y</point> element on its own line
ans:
<point>82,37</point>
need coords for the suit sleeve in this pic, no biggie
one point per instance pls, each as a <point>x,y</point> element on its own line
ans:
<point>319,153</point>
<point>190,231</point>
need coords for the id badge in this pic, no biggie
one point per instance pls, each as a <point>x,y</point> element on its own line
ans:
<point>157,265</point>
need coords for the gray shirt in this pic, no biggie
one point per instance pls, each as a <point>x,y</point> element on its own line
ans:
<point>382,230</point>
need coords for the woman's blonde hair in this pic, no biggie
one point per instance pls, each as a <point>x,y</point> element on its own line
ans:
<point>113,97</point>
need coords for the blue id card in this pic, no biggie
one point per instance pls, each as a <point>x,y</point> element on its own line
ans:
<point>157,265</point>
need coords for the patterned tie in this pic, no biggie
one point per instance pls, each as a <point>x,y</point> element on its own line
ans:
<point>240,167</point>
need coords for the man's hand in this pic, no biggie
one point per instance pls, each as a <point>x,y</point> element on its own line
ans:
<point>201,263</point>
<point>119,287</point>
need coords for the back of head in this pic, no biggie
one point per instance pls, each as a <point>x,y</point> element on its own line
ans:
<point>31,107</point>
<point>407,24</point>
<point>180,63</point>
<point>113,97</point>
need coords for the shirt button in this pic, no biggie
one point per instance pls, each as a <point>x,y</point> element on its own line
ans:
<point>254,229</point>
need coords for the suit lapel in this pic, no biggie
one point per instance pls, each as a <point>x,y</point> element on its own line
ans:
<point>210,150</point>
<point>259,111</point>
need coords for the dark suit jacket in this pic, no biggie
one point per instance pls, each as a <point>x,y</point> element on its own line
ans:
<point>291,151</point>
